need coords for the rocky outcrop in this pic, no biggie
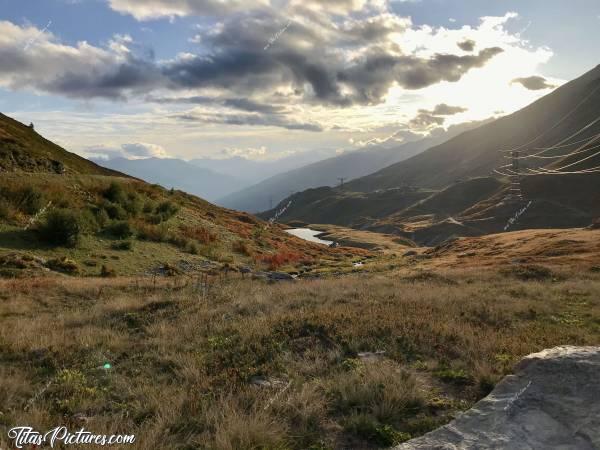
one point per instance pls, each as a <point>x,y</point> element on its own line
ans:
<point>552,402</point>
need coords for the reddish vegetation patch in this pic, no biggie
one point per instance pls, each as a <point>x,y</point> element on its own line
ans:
<point>199,233</point>
<point>276,260</point>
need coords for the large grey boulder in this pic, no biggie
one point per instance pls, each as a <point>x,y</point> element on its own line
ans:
<point>551,403</point>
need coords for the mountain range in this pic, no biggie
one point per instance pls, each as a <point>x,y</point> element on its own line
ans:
<point>178,174</point>
<point>455,189</point>
<point>328,172</point>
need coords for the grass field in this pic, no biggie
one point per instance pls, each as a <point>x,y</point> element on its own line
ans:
<point>360,361</point>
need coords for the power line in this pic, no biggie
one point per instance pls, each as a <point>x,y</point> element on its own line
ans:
<point>556,124</point>
<point>513,171</point>
<point>564,140</point>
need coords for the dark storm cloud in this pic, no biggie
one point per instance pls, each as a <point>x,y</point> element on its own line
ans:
<point>129,77</point>
<point>249,119</point>
<point>242,104</point>
<point>372,77</point>
<point>533,83</point>
<point>467,45</point>
<point>321,74</point>
<point>312,61</point>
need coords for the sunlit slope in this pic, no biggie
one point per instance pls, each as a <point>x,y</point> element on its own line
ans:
<point>22,149</point>
<point>476,153</point>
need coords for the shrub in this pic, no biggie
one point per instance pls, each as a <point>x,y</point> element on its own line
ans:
<point>529,272</point>
<point>107,272</point>
<point>101,216</point>
<point>61,227</point>
<point>133,205</point>
<point>166,210</point>
<point>120,229</point>
<point>453,376</point>
<point>115,193</point>
<point>193,248</point>
<point>377,389</point>
<point>242,247</point>
<point>276,260</point>
<point>32,201</point>
<point>122,245</point>
<point>152,233</point>
<point>89,220</point>
<point>371,431</point>
<point>5,210</point>
<point>115,211</point>
<point>199,233</point>
<point>149,206</point>
<point>64,265</point>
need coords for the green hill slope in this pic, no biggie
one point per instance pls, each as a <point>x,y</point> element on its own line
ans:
<point>62,213</point>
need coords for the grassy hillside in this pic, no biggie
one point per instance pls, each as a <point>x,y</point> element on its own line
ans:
<point>342,207</point>
<point>24,150</point>
<point>60,213</point>
<point>360,362</point>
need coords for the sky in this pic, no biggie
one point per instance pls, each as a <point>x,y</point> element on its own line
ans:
<point>266,79</point>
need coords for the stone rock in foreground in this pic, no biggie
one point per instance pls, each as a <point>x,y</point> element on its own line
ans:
<point>552,402</point>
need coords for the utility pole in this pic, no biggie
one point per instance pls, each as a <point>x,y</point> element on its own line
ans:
<point>270,203</point>
<point>515,193</point>
<point>341,180</point>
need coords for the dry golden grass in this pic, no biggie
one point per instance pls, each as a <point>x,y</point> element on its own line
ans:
<point>252,365</point>
<point>380,242</point>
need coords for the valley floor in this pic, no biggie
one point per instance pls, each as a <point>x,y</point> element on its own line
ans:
<point>367,360</point>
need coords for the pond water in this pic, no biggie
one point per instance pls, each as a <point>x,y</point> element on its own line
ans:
<point>308,235</point>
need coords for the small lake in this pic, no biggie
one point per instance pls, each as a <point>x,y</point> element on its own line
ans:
<point>308,235</point>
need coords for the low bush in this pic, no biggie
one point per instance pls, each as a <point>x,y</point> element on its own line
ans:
<point>276,260</point>
<point>121,229</point>
<point>122,246</point>
<point>61,227</point>
<point>5,210</point>
<point>64,265</point>
<point>152,233</point>
<point>115,211</point>
<point>529,272</point>
<point>200,234</point>
<point>31,201</point>
<point>368,429</point>
<point>107,272</point>
<point>115,193</point>
<point>242,247</point>
<point>166,210</point>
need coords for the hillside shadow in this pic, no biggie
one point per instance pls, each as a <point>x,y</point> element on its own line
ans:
<point>19,240</point>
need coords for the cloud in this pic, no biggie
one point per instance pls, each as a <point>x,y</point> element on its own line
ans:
<point>468,45</point>
<point>425,120</point>
<point>138,150</point>
<point>445,110</point>
<point>248,153</point>
<point>534,83</point>
<point>341,64</point>
<point>81,71</point>
<point>155,9</point>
